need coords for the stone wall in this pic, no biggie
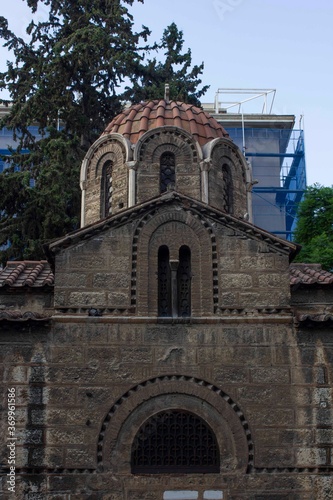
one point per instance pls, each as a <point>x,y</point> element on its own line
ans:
<point>84,386</point>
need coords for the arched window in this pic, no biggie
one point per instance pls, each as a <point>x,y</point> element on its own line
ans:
<point>164,282</point>
<point>167,171</point>
<point>184,282</point>
<point>106,189</point>
<point>227,194</point>
<point>175,441</point>
<point>174,283</point>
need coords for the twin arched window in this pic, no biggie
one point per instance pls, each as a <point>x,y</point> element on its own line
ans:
<point>175,441</point>
<point>174,283</point>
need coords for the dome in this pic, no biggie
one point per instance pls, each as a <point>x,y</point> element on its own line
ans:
<point>134,121</point>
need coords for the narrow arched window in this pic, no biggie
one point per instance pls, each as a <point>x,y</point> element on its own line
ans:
<point>106,189</point>
<point>227,194</point>
<point>175,441</point>
<point>164,282</point>
<point>184,282</point>
<point>167,171</point>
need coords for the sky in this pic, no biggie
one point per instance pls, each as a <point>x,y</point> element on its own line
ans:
<point>285,45</point>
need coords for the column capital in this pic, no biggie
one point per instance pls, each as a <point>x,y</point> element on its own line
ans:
<point>132,165</point>
<point>205,165</point>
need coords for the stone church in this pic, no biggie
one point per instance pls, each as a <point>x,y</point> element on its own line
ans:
<point>168,349</point>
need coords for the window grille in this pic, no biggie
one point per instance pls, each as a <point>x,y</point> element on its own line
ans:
<point>167,171</point>
<point>106,189</point>
<point>175,441</point>
<point>164,282</point>
<point>184,282</point>
<point>227,194</point>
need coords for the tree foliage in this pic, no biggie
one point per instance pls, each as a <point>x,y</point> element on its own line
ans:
<point>68,73</point>
<point>175,69</point>
<point>69,78</point>
<point>314,229</point>
<point>71,67</point>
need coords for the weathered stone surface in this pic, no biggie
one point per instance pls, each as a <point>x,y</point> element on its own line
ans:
<point>242,360</point>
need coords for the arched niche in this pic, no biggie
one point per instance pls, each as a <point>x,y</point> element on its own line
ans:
<point>150,153</point>
<point>229,177</point>
<point>112,149</point>
<point>174,228</point>
<point>175,393</point>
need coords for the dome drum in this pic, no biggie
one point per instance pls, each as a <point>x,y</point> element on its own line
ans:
<point>158,146</point>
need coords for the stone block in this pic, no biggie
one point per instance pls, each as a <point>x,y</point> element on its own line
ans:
<point>136,355</point>
<point>30,395</point>
<point>311,457</point>
<point>61,396</point>
<point>274,457</point>
<point>175,355</point>
<point>240,281</point>
<point>261,416</point>
<point>119,299</point>
<point>67,354</point>
<point>231,375</point>
<point>324,436</point>
<point>270,375</point>
<point>30,436</point>
<point>80,457</point>
<point>66,436</point>
<point>85,299</point>
<point>15,374</point>
<point>71,280</point>
<point>273,280</point>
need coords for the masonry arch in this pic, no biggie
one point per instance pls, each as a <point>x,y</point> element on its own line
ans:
<point>229,177</point>
<point>114,149</point>
<point>178,393</point>
<point>169,149</point>
<point>174,228</point>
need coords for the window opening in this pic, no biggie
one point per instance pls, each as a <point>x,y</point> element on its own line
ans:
<point>184,282</point>
<point>164,282</point>
<point>227,189</point>
<point>180,495</point>
<point>106,189</point>
<point>175,441</point>
<point>167,171</point>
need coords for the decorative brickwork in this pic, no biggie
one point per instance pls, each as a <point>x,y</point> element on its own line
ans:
<point>174,307</point>
<point>132,409</point>
<point>226,159</point>
<point>173,228</point>
<point>151,148</point>
<point>111,151</point>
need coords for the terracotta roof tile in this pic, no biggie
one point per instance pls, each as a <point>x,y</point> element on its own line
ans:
<point>309,274</point>
<point>38,274</point>
<point>26,273</point>
<point>133,122</point>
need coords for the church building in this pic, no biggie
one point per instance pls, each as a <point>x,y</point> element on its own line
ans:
<point>168,349</point>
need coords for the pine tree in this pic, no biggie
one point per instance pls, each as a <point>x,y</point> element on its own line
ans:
<point>68,73</point>
<point>175,70</point>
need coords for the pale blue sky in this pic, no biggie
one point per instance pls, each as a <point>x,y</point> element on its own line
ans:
<point>282,44</point>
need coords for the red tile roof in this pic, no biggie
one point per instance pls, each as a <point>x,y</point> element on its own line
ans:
<point>309,274</point>
<point>26,273</point>
<point>134,121</point>
<point>38,274</point>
